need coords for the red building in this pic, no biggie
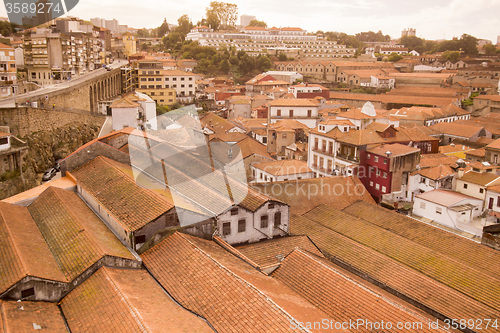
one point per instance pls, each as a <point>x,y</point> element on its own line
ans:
<point>385,169</point>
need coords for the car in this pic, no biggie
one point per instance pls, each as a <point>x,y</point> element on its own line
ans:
<point>49,174</point>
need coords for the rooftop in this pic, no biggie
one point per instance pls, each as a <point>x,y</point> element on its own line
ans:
<point>126,300</point>
<point>445,198</point>
<point>394,149</point>
<point>483,179</point>
<point>293,102</point>
<point>283,167</point>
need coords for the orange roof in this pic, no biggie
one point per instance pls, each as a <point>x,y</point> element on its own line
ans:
<point>293,102</point>
<point>283,167</point>
<point>3,134</point>
<point>131,204</point>
<point>483,179</point>
<point>209,281</point>
<point>25,316</point>
<point>132,295</point>
<point>437,172</point>
<point>395,150</point>
<point>328,192</point>
<point>494,145</point>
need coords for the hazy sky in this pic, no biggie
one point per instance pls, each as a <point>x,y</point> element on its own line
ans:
<point>433,19</point>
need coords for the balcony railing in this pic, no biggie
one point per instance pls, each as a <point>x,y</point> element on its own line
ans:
<point>348,158</point>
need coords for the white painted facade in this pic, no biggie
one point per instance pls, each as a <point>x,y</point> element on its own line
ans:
<point>239,225</point>
<point>307,115</point>
<point>322,159</point>
<point>459,215</point>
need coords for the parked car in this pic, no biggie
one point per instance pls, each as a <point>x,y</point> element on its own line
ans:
<point>49,174</point>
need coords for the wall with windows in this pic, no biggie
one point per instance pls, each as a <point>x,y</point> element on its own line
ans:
<point>239,225</point>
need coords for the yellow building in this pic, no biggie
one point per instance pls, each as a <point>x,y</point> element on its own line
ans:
<point>129,44</point>
<point>162,96</point>
<point>8,70</point>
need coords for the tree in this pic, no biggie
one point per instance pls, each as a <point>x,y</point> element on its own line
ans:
<point>184,25</point>
<point>222,14</point>
<point>413,43</point>
<point>452,56</point>
<point>257,23</point>
<point>469,44</point>
<point>143,33</point>
<point>490,49</point>
<point>163,28</point>
<point>224,66</point>
<point>282,56</point>
<point>264,63</point>
<point>393,57</point>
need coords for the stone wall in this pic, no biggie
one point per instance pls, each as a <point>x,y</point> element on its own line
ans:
<point>26,120</point>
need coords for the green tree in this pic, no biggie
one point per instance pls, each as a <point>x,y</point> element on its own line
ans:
<point>413,43</point>
<point>222,14</point>
<point>143,33</point>
<point>393,57</point>
<point>490,49</point>
<point>184,25</point>
<point>163,28</point>
<point>224,66</point>
<point>257,23</point>
<point>264,63</point>
<point>282,56</point>
<point>452,56</point>
<point>469,44</point>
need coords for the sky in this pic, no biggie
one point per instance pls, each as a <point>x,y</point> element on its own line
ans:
<point>433,19</point>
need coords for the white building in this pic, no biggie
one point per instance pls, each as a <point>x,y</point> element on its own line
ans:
<point>241,225</point>
<point>4,141</point>
<point>135,110</point>
<point>246,19</point>
<point>428,179</point>
<point>474,183</point>
<point>283,170</point>
<point>451,209</point>
<point>303,110</point>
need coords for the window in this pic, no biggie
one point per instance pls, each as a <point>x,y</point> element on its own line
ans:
<point>481,190</point>
<point>242,225</point>
<point>439,210</point>
<point>234,211</point>
<point>27,292</point>
<point>291,113</point>
<point>385,160</point>
<point>309,115</point>
<point>283,136</point>
<point>368,156</point>
<point>226,228</point>
<point>465,186</point>
<point>384,189</point>
<point>375,158</point>
<point>277,219</point>
<point>4,141</point>
<point>498,201</point>
<point>385,175</point>
<point>278,113</point>
<point>270,205</point>
<point>140,239</point>
<point>377,186</point>
<point>422,205</point>
<point>264,221</point>
<point>371,184</point>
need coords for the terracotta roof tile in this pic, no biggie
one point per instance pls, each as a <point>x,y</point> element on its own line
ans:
<point>76,237</point>
<point>271,252</point>
<point>125,300</point>
<point>484,179</point>
<point>437,172</point>
<point>200,276</point>
<point>433,160</point>
<point>293,102</point>
<point>21,256</point>
<point>283,167</point>
<point>23,316</point>
<point>344,296</point>
<point>131,204</point>
<point>304,194</point>
<point>378,264</point>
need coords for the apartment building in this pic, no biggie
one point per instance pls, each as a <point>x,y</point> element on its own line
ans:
<point>52,57</point>
<point>8,71</point>
<point>294,42</point>
<point>168,86</point>
<point>301,109</point>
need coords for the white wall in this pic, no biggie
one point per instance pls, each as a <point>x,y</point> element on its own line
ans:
<point>253,232</point>
<point>123,117</point>
<point>7,145</point>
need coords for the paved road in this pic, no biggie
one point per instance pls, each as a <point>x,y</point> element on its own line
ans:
<point>21,98</point>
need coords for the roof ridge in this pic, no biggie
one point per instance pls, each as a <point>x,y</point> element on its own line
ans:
<point>243,281</point>
<point>136,315</point>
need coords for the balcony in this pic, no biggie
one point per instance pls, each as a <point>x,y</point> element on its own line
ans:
<point>323,151</point>
<point>348,158</point>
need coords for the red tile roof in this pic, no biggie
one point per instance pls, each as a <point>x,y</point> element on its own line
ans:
<point>389,260</point>
<point>271,252</point>
<point>293,102</point>
<point>132,205</point>
<point>283,167</point>
<point>201,277</point>
<point>343,295</point>
<point>23,316</point>
<point>126,300</point>
<point>304,194</point>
